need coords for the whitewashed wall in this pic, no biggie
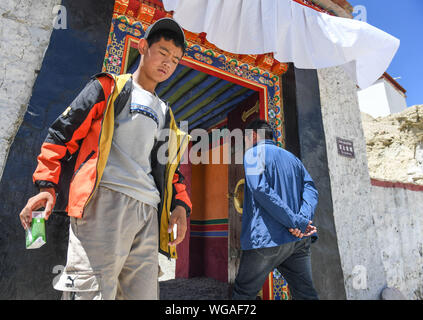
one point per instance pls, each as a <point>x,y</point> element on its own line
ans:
<point>379,229</point>
<point>374,101</point>
<point>399,225</point>
<point>381,99</point>
<point>364,275</point>
<point>397,101</point>
<point>25,29</point>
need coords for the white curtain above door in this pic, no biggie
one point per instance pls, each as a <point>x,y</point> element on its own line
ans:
<point>292,32</point>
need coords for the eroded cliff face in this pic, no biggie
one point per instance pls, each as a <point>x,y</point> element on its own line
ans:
<point>395,145</point>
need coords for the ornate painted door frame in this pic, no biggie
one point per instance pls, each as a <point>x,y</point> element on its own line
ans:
<point>261,73</point>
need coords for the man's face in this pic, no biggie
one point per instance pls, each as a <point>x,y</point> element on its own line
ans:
<point>160,59</point>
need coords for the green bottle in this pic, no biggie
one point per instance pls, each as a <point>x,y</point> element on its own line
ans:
<point>36,233</point>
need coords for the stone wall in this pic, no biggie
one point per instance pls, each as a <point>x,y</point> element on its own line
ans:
<point>394,150</point>
<point>74,52</point>
<point>399,226</point>
<point>364,275</point>
<point>379,224</point>
<point>25,29</point>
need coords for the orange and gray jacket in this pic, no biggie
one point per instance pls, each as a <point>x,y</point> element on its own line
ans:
<point>75,152</point>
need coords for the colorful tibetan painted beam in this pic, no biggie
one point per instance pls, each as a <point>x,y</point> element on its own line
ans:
<point>152,10</point>
<point>258,73</point>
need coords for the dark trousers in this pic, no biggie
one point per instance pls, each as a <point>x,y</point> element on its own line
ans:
<point>291,259</point>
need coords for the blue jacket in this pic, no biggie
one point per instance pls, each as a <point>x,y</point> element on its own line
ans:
<point>279,194</point>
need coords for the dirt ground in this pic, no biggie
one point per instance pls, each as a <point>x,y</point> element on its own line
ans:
<point>193,289</point>
<point>188,289</point>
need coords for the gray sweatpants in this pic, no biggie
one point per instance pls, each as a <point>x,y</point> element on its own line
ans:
<point>113,250</point>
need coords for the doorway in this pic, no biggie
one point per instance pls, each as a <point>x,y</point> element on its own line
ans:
<point>211,99</point>
<point>210,90</point>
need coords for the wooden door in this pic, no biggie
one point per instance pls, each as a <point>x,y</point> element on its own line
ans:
<point>246,111</point>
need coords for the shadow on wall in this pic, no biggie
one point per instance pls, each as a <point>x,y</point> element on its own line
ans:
<point>305,137</point>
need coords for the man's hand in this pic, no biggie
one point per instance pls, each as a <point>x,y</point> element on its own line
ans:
<point>46,198</point>
<point>296,233</point>
<point>178,217</point>
<point>308,231</point>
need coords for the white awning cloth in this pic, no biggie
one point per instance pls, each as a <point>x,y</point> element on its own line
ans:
<point>293,32</point>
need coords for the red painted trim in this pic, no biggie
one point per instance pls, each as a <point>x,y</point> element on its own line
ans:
<point>133,6</point>
<point>217,227</point>
<point>394,82</point>
<point>263,111</point>
<point>399,185</point>
<point>267,288</point>
<point>157,3</point>
<point>307,5</point>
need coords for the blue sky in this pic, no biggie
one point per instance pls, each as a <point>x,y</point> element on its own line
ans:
<point>404,20</point>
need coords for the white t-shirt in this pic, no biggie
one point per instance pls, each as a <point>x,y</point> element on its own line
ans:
<point>128,168</point>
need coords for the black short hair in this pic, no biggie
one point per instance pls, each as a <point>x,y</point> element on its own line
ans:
<point>257,124</point>
<point>167,35</point>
